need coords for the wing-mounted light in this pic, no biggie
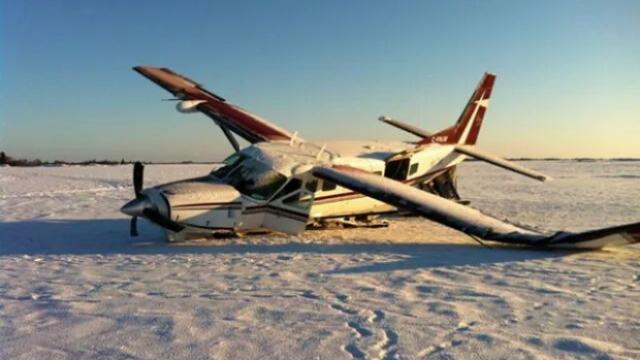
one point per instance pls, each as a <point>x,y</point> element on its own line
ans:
<point>188,106</point>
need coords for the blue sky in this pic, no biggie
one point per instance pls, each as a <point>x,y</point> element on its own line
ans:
<point>568,73</point>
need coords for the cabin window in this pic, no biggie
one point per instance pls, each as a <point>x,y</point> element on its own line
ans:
<point>413,169</point>
<point>292,185</point>
<point>311,185</point>
<point>397,169</point>
<point>296,201</point>
<point>328,185</point>
<point>294,196</point>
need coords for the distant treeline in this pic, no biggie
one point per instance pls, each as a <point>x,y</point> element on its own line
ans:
<point>11,161</point>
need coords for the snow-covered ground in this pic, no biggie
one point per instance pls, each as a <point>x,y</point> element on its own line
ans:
<point>74,285</point>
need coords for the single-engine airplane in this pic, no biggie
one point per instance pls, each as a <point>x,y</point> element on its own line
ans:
<point>281,182</point>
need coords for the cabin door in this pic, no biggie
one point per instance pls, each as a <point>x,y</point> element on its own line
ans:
<point>289,211</point>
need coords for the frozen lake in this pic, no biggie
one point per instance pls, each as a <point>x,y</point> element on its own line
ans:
<point>74,284</point>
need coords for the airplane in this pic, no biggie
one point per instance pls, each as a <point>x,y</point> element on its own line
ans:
<point>283,183</point>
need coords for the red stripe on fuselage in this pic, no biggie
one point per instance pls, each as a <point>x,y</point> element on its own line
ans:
<point>280,211</point>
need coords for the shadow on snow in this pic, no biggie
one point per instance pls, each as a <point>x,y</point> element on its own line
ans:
<point>109,236</point>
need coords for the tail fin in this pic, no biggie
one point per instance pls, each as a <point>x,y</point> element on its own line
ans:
<point>467,128</point>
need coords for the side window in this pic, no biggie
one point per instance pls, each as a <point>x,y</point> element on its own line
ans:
<point>311,185</point>
<point>413,169</point>
<point>397,169</point>
<point>295,200</point>
<point>292,185</point>
<point>328,185</point>
<point>294,197</point>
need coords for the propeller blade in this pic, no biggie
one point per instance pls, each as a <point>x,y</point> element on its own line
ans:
<point>133,226</point>
<point>155,217</point>
<point>143,207</point>
<point>138,177</point>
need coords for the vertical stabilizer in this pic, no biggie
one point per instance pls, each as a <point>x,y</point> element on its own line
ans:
<point>466,129</point>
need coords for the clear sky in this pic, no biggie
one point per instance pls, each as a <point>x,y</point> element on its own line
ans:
<point>568,73</point>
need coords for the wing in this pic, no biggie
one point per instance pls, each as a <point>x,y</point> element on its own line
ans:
<point>473,152</point>
<point>469,220</point>
<point>249,126</point>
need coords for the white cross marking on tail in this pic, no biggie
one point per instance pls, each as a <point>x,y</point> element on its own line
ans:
<point>484,102</point>
<point>480,103</point>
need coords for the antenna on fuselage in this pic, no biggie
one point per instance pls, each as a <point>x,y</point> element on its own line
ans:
<point>293,138</point>
<point>324,146</point>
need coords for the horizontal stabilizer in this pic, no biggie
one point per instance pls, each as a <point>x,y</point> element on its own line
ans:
<point>469,220</point>
<point>498,161</point>
<point>406,127</point>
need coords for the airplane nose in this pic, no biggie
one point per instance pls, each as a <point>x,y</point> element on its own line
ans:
<point>136,207</point>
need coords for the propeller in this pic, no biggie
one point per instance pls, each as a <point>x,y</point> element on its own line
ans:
<point>133,226</point>
<point>142,206</point>
<point>138,179</point>
<point>154,216</point>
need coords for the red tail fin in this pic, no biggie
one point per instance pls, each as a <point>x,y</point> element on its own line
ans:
<point>467,128</point>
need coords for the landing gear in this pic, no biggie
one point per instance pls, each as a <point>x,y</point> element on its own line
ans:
<point>445,186</point>
<point>349,222</point>
<point>172,237</point>
<point>186,235</point>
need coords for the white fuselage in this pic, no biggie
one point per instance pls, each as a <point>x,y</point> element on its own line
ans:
<point>270,185</point>
<point>422,164</point>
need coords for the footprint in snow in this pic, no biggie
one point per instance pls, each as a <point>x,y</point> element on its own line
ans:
<point>575,346</point>
<point>343,309</point>
<point>354,351</point>
<point>309,294</point>
<point>386,348</point>
<point>378,315</point>
<point>359,329</point>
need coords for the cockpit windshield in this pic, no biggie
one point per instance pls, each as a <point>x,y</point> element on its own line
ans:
<point>230,163</point>
<point>250,177</point>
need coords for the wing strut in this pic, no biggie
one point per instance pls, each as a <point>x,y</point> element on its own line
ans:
<point>232,139</point>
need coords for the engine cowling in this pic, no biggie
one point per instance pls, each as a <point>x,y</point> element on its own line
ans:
<point>188,106</point>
